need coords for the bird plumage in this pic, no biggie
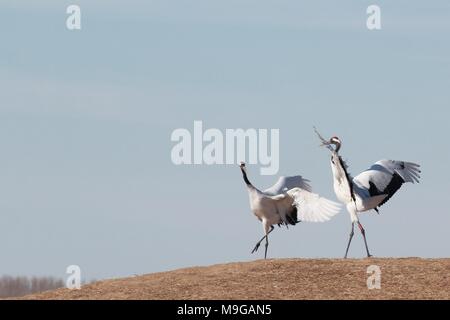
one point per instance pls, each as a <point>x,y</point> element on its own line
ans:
<point>370,189</point>
<point>287,183</point>
<point>312,207</point>
<point>288,202</point>
<point>386,177</point>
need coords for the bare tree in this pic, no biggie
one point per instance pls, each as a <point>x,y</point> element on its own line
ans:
<point>21,286</point>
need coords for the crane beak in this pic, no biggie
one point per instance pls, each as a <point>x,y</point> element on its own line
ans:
<point>325,143</point>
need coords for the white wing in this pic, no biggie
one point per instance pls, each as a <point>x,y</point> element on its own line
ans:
<point>287,183</point>
<point>311,207</point>
<point>387,177</point>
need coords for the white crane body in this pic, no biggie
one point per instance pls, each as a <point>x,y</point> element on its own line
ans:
<point>288,202</point>
<point>372,188</point>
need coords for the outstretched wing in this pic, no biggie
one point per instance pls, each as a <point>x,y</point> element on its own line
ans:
<point>387,177</point>
<point>311,207</point>
<point>287,183</point>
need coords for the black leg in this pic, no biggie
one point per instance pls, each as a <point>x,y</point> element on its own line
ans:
<point>259,242</point>
<point>350,240</point>
<point>365,241</point>
<point>267,246</point>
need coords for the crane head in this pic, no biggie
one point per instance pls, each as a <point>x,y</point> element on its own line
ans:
<point>327,143</point>
<point>335,140</point>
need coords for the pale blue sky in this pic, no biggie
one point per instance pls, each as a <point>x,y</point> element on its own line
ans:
<point>86,118</point>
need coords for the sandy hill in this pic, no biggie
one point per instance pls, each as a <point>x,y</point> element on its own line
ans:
<point>409,278</point>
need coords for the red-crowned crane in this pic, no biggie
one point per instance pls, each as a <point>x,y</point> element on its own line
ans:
<point>369,190</point>
<point>288,202</point>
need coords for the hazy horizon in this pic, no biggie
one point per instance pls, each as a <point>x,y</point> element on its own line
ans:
<point>86,119</point>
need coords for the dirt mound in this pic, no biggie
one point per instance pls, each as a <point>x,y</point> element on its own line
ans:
<point>409,278</point>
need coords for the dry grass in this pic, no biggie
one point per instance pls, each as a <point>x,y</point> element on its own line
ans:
<point>410,278</point>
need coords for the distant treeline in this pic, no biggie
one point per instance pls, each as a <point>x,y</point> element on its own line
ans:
<point>22,286</point>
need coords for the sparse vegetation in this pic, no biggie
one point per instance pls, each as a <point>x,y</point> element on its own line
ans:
<point>11,287</point>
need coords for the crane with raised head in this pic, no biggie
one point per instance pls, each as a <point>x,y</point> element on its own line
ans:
<point>288,202</point>
<point>370,189</point>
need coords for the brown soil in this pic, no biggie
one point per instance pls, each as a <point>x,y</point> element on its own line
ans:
<point>410,278</point>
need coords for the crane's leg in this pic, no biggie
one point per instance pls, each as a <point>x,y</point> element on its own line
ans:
<point>259,242</point>
<point>268,228</point>
<point>267,246</point>
<point>363,232</point>
<point>352,233</point>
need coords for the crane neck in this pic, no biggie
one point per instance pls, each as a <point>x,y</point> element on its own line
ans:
<point>338,147</point>
<point>244,175</point>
